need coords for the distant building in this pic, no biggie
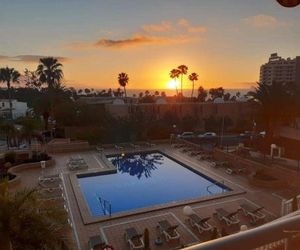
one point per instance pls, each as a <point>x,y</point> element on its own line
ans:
<point>280,70</point>
<point>19,109</point>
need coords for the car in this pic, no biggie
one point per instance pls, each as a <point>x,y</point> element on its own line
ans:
<point>186,135</point>
<point>246,134</point>
<point>208,135</point>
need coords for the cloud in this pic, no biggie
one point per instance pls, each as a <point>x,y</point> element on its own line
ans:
<point>160,27</point>
<point>263,22</point>
<point>29,58</point>
<point>162,33</point>
<point>140,40</point>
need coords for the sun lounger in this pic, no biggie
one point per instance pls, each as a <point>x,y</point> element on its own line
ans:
<point>150,144</point>
<point>119,147</point>
<point>235,170</point>
<point>168,230</point>
<point>49,179</point>
<point>96,242</point>
<point>195,153</point>
<point>254,212</point>
<point>135,146</point>
<point>200,223</point>
<point>77,164</point>
<point>134,239</point>
<point>50,193</point>
<point>229,217</point>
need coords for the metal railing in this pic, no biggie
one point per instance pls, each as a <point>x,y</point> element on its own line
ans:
<point>268,235</point>
<point>105,206</point>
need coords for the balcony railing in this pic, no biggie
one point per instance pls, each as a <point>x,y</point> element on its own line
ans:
<point>269,236</point>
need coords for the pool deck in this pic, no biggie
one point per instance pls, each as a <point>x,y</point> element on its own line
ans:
<point>113,228</point>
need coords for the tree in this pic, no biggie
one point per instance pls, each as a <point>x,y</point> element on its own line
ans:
<point>31,79</point>
<point>174,74</point>
<point>183,71</point>
<point>193,77</point>
<point>227,97</point>
<point>29,129</point>
<point>216,93</point>
<point>50,72</point>
<point>27,223</point>
<point>202,94</point>
<point>10,132</point>
<point>9,75</point>
<point>123,81</point>
<point>276,103</point>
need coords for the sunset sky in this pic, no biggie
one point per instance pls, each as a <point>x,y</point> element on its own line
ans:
<point>224,41</point>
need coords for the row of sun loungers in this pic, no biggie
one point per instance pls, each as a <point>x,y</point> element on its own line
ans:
<point>135,239</point>
<point>76,163</point>
<point>230,218</point>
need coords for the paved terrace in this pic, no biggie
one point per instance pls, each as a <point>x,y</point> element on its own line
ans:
<point>113,229</point>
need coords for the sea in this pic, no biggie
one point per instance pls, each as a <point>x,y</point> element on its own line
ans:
<point>186,92</point>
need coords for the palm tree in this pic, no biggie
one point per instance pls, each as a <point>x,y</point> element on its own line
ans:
<point>29,223</point>
<point>276,102</point>
<point>174,74</point>
<point>9,75</point>
<point>49,72</point>
<point>183,71</point>
<point>193,77</point>
<point>123,81</point>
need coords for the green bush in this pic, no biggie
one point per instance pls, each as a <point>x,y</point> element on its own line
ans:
<point>10,157</point>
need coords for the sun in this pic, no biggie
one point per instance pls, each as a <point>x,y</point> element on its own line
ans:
<point>172,84</point>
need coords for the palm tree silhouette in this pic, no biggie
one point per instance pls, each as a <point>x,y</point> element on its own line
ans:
<point>174,74</point>
<point>183,71</point>
<point>193,77</point>
<point>123,81</point>
<point>138,165</point>
<point>50,72</point>
<point>9,75</point>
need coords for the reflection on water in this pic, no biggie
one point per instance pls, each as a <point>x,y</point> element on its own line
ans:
<point>137,165</point>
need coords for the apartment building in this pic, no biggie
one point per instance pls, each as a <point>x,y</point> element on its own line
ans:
<point>281,70</point>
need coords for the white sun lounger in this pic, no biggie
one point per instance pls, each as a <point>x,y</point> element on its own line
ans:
<point>229,217</point>
<point>200,223</point>
<point>254,212</point>
<point>134,239</point>
<point>168,230</point>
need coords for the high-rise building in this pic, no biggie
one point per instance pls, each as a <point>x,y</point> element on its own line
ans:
<point>281,70</point>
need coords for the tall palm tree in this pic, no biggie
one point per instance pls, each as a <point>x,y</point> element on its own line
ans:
<point>193,77</point>
<point>123,81</point>
<point>183,71</point>
<point>28,223</point>
<point>9,75</point>
<point>50,72</point>
<point>174,74</point>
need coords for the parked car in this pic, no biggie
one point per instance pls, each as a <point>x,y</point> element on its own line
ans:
<point>186,135</point>
<point>246,134</point>
<point>208,135</point>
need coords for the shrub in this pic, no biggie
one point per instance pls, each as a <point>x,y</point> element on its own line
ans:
<point>10,157</point>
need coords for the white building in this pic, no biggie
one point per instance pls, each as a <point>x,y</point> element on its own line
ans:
<point>280,70</point>
<point>19,109</point>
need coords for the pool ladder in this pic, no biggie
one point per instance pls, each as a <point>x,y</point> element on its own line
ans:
<point>105,206</point>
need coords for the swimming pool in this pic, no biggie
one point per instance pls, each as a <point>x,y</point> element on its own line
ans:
<point>144,180</point>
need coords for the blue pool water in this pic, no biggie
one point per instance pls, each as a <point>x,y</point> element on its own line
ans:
<point>143,180</point>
